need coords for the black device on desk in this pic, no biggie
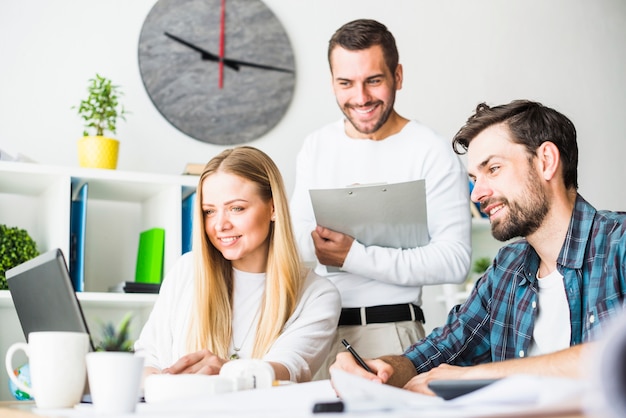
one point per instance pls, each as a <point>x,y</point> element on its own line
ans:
<point>450,389</point>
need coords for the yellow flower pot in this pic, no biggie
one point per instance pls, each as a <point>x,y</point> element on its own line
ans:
<point>98,152</point>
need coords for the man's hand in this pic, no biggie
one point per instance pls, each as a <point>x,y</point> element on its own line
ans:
<point>346,362</point>
<point>442,372</point>
<point>331,247</point>
<point>200,362</point>
<point>564,363</point>
<point>393,370</point>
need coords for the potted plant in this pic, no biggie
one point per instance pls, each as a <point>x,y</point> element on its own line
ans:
<point>100,112</point>
<point>16,247</point>
<point>478,268</point>
<point>114,371</point>
<point>116,338</point>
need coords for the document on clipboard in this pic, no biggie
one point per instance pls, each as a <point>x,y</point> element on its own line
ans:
<point>386,215</point>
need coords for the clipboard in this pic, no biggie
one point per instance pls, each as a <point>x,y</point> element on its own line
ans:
<point>386,215</point>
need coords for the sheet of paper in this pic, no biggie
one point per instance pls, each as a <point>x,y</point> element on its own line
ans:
<point>293,400</point>
<point>514,396</point>
<point>355,390</point>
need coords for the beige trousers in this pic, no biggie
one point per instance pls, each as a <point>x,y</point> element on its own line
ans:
<point>373,340</point>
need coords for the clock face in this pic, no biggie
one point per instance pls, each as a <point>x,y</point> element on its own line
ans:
<point>221,71</point>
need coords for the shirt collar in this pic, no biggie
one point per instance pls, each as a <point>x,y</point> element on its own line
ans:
<point>573,250</point>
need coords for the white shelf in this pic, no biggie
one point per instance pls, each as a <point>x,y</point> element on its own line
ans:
<point>120,205</point>
<point>98,300</point>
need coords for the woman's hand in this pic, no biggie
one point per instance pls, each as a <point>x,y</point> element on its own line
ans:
<point>200,362</point>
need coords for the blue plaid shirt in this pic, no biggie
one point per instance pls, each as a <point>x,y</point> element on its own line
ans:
<point>496,321</point>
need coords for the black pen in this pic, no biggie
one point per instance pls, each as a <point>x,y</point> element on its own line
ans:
<point>356,355</point>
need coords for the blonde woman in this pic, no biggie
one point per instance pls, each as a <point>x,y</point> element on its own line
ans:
<point>242,292</point>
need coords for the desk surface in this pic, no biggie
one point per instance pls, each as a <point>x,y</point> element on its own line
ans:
<point>17,409</point>
<point>24,410</point>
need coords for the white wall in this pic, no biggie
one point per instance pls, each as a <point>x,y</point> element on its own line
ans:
<point>569,54</point>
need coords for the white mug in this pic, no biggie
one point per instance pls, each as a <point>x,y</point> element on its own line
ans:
<point>57,367</point>
<point>114,381</point>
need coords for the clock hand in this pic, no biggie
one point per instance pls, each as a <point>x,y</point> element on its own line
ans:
<point>254,65</point>
<point>222,36</point>
<point>206,55</point>
<point>229,62</point>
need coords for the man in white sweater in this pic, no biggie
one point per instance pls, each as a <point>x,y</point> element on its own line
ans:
<point>380,287</point>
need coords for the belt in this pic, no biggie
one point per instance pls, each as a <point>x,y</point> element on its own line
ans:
<point>381,314</point>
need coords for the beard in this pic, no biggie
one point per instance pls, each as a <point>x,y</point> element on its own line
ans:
<point>361,128</point>
<point>526,215</point>
<point>387,109</point>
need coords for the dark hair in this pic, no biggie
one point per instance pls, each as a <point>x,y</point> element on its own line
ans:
<point>363,34</point>
<point>531,124</point>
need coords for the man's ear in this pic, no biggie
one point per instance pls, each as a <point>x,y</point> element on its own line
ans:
<point>399,77</point>
<point>549,160</point>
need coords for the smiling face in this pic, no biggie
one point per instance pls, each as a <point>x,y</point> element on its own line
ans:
<point>507,185</point>
<point>237,220</point>
<point>365,88</point>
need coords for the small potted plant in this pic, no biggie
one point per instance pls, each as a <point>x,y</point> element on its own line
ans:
<point>114,371</point>
<point>16,247</point>
<point>100,112</point>
<point>116,339</point>
<point>478,268</point>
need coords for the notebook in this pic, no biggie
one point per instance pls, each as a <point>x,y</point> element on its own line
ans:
<point>44,297</point>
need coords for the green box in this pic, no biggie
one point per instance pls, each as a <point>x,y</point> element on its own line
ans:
<point>150,256</point>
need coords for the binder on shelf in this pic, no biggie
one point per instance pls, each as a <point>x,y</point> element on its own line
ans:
<point>187,219</point>
<point>78,225</point>
<point>150,256</point>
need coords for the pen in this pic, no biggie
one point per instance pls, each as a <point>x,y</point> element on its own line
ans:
<point>356,355</point>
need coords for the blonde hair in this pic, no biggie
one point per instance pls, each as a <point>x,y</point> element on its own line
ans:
<point>211,312</point>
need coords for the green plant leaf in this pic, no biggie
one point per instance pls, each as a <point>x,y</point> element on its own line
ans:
<point>101,109</point>
<point>16,247</point>
<point>116,339</point>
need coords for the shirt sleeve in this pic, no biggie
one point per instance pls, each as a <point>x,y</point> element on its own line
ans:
<point>301,208</point>
<point>162,330</point>
<point>464,339</point>
<point>309,332</point>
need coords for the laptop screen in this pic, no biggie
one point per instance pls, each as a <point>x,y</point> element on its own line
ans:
<point>43,295</point>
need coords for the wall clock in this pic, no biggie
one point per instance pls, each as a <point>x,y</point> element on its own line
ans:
<point>220,71</point>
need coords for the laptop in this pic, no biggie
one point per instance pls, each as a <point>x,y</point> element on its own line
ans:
<point>44,297</point>
<point>45,300</point>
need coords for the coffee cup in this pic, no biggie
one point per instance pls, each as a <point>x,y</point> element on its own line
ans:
<point>57,367</point>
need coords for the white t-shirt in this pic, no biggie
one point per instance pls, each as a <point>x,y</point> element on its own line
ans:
<point>378,275</point>
<point>553,330</point>
<point>301,347</point>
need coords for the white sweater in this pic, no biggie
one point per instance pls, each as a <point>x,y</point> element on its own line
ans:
<point>377,275</point>
<point>301,347</point>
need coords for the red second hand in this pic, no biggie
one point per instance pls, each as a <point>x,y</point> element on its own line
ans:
<point>222,36</point>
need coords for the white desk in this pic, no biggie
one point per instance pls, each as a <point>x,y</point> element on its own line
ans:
<point>294,401</point>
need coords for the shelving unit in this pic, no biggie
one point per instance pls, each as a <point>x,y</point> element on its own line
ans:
<point>120,205</point>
